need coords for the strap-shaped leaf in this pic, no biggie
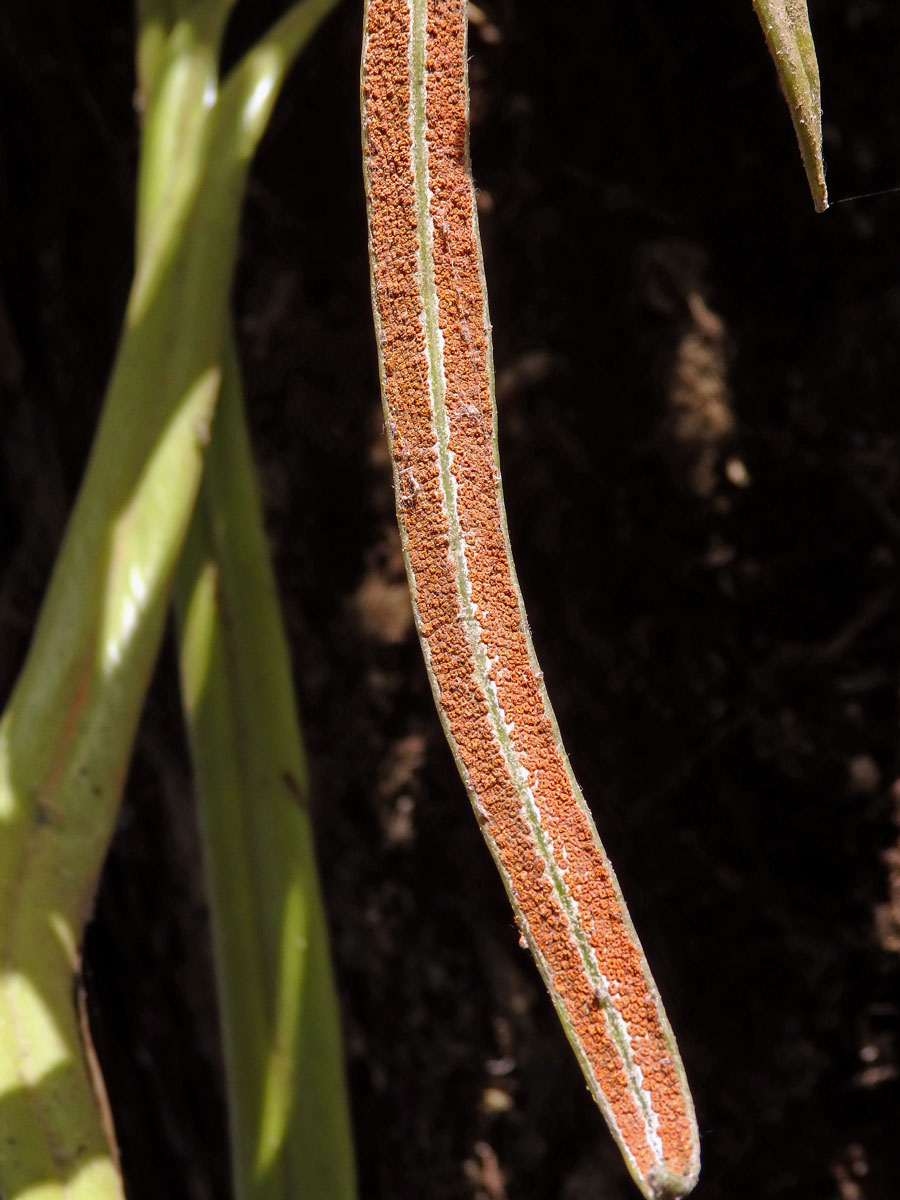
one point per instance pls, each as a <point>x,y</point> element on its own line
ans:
<point>67,731</point>
<point>789,38</point>
<point>434,338</point>
<point>290,1134</point>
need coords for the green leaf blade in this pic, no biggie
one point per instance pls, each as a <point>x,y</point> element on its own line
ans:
<point>287,1104</point>
<point>788,35</point>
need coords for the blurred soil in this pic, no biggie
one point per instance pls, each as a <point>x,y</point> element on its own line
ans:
<point>698,388</point>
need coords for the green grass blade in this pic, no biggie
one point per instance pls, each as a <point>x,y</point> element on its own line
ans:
<point>289,1123</point>
<point>789,38</point>
<point>67,731</point>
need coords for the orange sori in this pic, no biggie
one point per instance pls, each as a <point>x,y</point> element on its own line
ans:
<point>437,384</point>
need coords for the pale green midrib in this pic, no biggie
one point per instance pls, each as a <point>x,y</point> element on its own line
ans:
<point>434,354</point>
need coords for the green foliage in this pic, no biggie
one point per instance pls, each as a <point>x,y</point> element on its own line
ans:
<point>290,1132</point>
<point>67,732</point>
<point>789,38</point>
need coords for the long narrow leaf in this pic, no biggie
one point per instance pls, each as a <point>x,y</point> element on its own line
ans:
<point>789,38</point>
<point>289,1125</point>
<point>67,731</point>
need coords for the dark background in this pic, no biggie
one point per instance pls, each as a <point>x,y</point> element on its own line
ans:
<point>698,386</point>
